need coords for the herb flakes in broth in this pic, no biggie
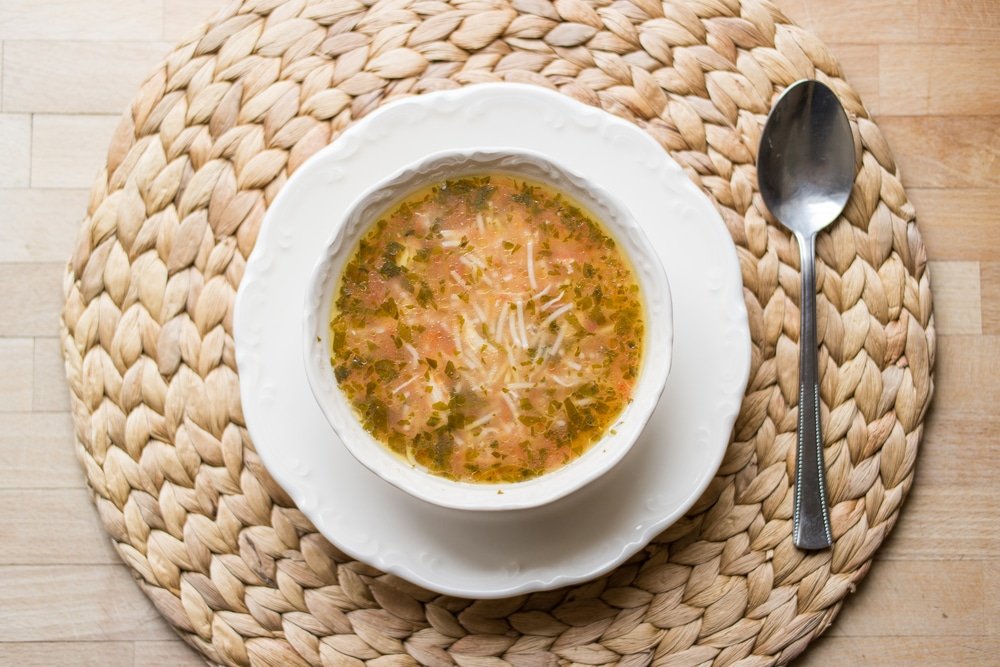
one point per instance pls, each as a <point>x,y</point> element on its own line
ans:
<point>487,329</point>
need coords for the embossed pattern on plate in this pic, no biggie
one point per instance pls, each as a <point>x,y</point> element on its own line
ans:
<point>501,553</point>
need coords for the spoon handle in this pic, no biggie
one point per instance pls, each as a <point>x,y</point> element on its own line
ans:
<point>811,518</point>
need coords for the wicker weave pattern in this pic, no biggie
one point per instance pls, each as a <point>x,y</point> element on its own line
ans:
<point>210,139</point>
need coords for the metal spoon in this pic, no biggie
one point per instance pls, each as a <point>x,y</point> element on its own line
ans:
<point>805,168</point>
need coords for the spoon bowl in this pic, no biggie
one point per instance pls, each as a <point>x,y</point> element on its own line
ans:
<point>805,164</point>
<point>805,169</point>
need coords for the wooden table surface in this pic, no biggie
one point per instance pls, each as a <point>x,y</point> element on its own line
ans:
<point>927,69</point>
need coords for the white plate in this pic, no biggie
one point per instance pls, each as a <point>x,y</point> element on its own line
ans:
<point>475,554</point>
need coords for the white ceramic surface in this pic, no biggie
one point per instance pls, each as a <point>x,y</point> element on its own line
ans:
<point>337,408</point>
<point>496,554</point>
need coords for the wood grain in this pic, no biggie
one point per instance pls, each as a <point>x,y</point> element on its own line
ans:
<point>952,523</point>
<point>885,21</point>
<point>958,305</point>
<point>917,79</point>
<point>989,286</point>
<point>180,16</point>
<point>964,452</point>
<point>51,527</point>
<point>58,654</point>
<point>39,225</point>
<point>49,392</point>
<point>926,68</point>
<point>959,223</point>
<point>40,75</point>
<point>34,451</point>
<point>174,653</point>
<point>66,151</point>
<point>941,598</point>
<point>15,146</point>
<point>959,21</point>
<point>896,651</point>
<point>80,19</point>
<point>945,151</point>
<point>992,595</point>
<point>95,603</point>
<point>16,373</point>
<point>31,309</point>
<point>967,370</point>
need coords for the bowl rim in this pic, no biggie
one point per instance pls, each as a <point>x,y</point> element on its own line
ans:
<point>355,222</point>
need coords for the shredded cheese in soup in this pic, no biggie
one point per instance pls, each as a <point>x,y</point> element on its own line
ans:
<point>487,329</point>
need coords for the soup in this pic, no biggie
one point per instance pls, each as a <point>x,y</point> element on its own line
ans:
<point>487,329</point>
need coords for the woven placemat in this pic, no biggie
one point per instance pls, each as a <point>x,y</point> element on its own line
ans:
<point>210,139</point>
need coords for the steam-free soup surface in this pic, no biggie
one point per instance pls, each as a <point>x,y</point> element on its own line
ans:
<point>487,329</point>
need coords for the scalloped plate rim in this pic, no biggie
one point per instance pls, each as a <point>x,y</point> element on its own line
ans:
<point>726,281</point>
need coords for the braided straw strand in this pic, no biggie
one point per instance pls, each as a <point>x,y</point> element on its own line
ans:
<point>244,100</point>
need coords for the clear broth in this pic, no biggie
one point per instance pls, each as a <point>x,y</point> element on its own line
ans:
<point>488,329</point>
